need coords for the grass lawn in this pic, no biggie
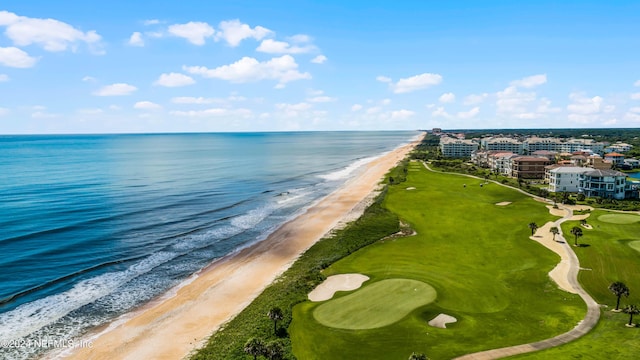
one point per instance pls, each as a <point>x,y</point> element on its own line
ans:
<point>477,256</point>
<point>611,255</point>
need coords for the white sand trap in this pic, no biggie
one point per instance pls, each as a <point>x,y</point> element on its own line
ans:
<point>504,203</point>
<point>587,226</point>
<point>411,188</point>
<point>556,212</point>
<point>342,282</point>
<point>442,320</point>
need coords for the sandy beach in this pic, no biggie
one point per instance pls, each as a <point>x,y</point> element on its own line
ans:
<point>174,326</point>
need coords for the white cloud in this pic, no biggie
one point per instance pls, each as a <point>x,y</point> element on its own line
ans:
<point>637,83</point>
<point>385,101</point>
<point>118,89</point>
<point>3,111</point>
<point>136,39</point>
<point>544,107</point>
<point>146,105</point>
<point>94,111</point>
<point>383,79</point>
<point>300,38</point>
<point>583,105</point>
<point>195,32</point>
<point>401,114</point>
<point>14,57</point>
<point>635,96</point>
<point>4,77</point>
<point>320,59</point>
<point>356,107</point>
<point>174,80</point>
<point>441,112</point>
<point>44,115</point>
<point>293,110</point>
<point>89,79</point>
<point>469,114</point>
<point>447,98</point>
<point>417,82</point>
<point>284,69</point>
<point>530,81</point>
<point>474,99</point>
<point>321,99</point>
<point>510,101</point>
<point>151,22</point>
<point>271,46</point>
<point>213,112</point>
<point>203,100</point>
<point>115,107</point>
<point>373,110</point>
<point>233,32</point>
<point>51,34</point>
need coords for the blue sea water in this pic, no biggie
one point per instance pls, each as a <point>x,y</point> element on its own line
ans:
<point>95,225</point>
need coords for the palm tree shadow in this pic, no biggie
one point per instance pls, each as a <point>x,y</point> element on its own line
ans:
<point>583,245</point>
<point>282,332</point>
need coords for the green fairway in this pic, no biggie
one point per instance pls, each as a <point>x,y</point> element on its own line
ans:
<point>376,305</point>
<point>619,218</point>
<point>611,255</point>
<point>477,256</point>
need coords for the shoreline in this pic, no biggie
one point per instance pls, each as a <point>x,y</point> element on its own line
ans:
<point>181,320</point>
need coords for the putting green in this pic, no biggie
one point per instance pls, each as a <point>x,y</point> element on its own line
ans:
<point>379,304</point>
<point>619,218</point>
<point>635,245</point>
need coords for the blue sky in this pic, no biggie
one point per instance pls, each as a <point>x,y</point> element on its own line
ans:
<point>191,66</point>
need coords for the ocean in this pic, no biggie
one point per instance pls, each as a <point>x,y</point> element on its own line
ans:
<point>96,225</point>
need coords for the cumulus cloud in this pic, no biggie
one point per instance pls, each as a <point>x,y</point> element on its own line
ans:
<point>356,107</point>
<point>118,89</point>
<point>14,57</point>
<point>213,112</point>
<point>417,82</point>
<point>447,98</point>
<point>293,110</point>
<point>151,22</point>
<point>271,46</point>
<point>233,32</point>
<point>320,59</point>
<point>637,83</point>
<point>203,101</point>
<point>469,114</point>
<point>441,112</point>
<point>300,38</point>
<point>510,100</point>
<point>136,39</point>
<point>401,114</point>
<point>530,81</point>
<point>475,98</point>
<point>146,105</point>
<point>89,79</point>
<point>94,111</point>
<point>174,80</point>
<point>51,34</point>
<point>383,79</point>
<point>321,99</point>
<point>284,69</point>
<point>4,77</point>
<point>635,96</point>
<point>194,31</point>
<point>583,105</point>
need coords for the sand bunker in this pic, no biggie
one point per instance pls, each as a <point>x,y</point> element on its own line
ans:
<point>556,212</point>
<point>342,282</point>
<point>411,188</point>
<point>504,203</point>
<point>442,320</point>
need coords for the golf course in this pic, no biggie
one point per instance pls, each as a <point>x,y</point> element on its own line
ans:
<point>470,260</point>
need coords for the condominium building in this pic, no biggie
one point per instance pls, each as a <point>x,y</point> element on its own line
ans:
<point>527,167</point>
<point>502,144</point>
<point>566,178</point>
<point>457,148</point>
<point>614,158</point>
<point>608,184</point>
<point>618,147</point>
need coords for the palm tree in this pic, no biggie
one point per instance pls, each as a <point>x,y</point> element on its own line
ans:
<point>555,231</point>
<point>254,347</point>
<point>275,314</point>
<point>577,232</point>
<point>631,310</point>
<point>619,289</point>
<point>418,356</point>
<point>533,226</point>
<point>274,351</point>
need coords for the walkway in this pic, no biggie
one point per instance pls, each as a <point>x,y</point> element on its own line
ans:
<point>593,309</point>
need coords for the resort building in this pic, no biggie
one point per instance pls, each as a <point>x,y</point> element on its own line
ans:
<point>500,163</point>
<point>502,144</point>
<point>616,159</point>
<point>597,162</point>
<point>457,148</point>
<point>535,143</point>
<point>527,167</point>
<point>551,155</point>
<point>633,163</point>
<point>566,178</point>
<point>618,147</point>
<point>607,184</point>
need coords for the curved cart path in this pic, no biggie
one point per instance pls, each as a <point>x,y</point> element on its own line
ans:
<point>593,309</point>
